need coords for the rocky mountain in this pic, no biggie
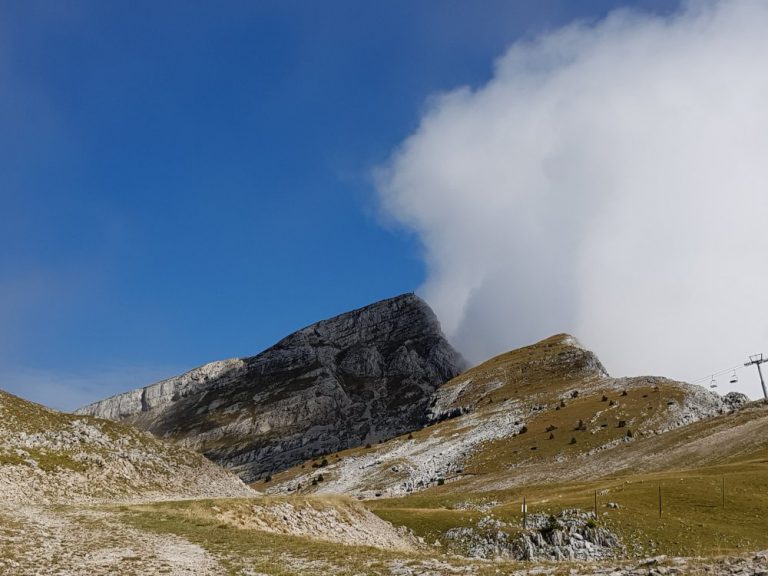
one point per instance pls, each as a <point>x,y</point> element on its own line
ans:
<point>536,455</point>
<point>361,377</point>
<point>530,415</point>
<point>50,457</point>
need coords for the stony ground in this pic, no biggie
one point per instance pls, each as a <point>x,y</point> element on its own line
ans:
<point>343,524</point>
<point>79,496</point>
<point>48,457</point>
<point>88,542</point>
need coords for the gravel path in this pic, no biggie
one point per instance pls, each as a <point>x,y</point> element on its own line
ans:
<point>86,542</point>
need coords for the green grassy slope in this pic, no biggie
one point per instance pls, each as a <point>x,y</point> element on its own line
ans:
<point>586,432</point>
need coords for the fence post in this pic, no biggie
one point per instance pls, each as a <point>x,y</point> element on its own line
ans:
<point>659,501</point>
<point>525,513</point>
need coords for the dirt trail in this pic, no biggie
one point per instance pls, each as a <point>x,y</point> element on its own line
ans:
<point>87,542</point>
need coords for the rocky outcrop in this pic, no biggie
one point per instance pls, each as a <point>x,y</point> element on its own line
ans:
<point>358,378</point>
<point>522,408</point>
<point>337,520</point>
<point>571,535</point>
<point>49,457</point>
<point>166,392</point>
<point>735,401</point>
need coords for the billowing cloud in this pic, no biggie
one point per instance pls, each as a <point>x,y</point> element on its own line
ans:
<point>610,180</point>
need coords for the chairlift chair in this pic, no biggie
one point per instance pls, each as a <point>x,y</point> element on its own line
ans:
<point>713,383</point>
<point>734,379</point>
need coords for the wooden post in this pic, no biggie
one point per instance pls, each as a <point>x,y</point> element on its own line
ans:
<point>659,501</point>
<point>525,513</point>
<point>595,504</point>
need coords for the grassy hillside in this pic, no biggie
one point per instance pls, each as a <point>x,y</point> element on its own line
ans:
<point>545,411</point>
<point>694,523</point>
<point>48,456</point>
<point>695,520</point>
<point>544,424</point>
<point>550,425</point>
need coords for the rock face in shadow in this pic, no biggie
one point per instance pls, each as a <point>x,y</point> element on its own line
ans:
<point>357,378</point>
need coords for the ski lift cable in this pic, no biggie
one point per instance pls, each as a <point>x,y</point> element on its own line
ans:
<point>732,370</point>
<point>712,374</point>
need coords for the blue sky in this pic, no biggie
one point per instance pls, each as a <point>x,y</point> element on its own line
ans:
<point>189,181</point>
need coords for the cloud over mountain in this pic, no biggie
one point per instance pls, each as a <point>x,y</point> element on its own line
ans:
<point>609,180</point>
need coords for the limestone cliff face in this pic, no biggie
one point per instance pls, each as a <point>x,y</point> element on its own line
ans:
<point>363,376</point>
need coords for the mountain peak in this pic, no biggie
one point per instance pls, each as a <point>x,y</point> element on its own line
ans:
<point>362,376</point>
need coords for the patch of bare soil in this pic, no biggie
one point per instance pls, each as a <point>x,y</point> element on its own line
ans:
<point>343,523</point>
<point>87,542</point>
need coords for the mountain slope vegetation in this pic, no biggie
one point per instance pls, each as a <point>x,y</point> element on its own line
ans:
<point>50,457</point>
<point>612,471</point>
<point>544,411</point>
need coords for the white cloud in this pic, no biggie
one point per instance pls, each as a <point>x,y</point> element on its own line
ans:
<point>610,180</point>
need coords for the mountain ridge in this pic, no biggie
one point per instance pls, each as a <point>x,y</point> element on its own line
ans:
<point>545,424</point>
<point>527,414</point>
<point>361,376</point>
